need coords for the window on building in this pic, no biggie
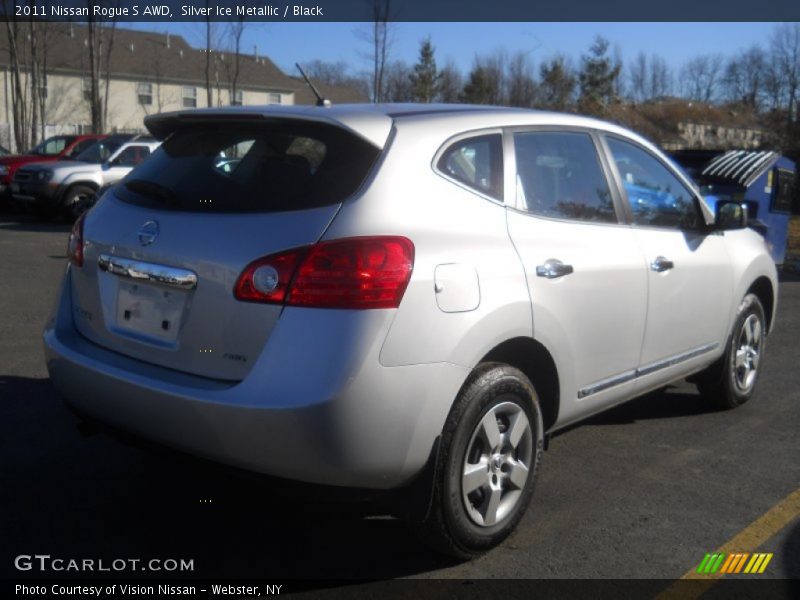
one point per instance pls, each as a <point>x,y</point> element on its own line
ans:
<point>559,176</point>
<point>274,98</point>
<point>238,98</point>
<point>144,92</point>
<point>43,87</point>
<point>87,88</point>
<point>189,96</point>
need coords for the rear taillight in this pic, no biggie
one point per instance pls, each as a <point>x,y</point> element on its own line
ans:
<point>363,272</point>
<point>75,244</point>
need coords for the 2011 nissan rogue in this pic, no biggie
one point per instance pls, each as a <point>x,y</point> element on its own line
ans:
<point>378,296</point>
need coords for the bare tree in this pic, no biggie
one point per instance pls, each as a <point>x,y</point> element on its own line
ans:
<point>638,75</point>
<point>19,104</point>
<point>209,50</point>
<point>521,82</point>
<point>379,38</point>
<point>700,77</point>
<point>233,66</point>
<point>743,78</point>
<point>660,80</point>
<point>330,73</point>
<point>100,42</point>
<point>451,83</point>
<point>785,50</point>
<point>398,86</point>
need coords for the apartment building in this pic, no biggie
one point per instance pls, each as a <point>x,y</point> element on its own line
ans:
<point>149,72</point>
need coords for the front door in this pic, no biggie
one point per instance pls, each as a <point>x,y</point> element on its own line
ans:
<point>690,281</point>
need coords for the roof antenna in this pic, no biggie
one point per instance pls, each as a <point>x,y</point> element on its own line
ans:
<point>320,100</point>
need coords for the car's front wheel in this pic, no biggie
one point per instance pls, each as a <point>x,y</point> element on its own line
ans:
<point>491,448</point>
<point>731,381</point>
<point>77,200</point>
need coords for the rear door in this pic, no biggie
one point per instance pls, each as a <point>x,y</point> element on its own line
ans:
<point>690,279</point>
<point>585,270</point>
<point>165,247</point>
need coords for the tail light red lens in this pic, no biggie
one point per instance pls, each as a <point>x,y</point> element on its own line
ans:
<point>356,273</point>
<point>253,286</point>
<point>75,243</point>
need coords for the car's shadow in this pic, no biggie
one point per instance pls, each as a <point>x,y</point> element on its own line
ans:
<point>71,495</point>
<point>75,496</point>
<point>32,224</point>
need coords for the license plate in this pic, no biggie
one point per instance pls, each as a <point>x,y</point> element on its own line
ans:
<point>149,310</point>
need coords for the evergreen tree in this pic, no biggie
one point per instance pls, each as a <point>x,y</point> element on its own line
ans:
<point>479,88</point>
<point>556,84</point>
<point>425,78</point>
<point>598,77</point>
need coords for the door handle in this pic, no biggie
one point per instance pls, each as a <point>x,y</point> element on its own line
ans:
<point>553,268</point>
<point>661,264</point>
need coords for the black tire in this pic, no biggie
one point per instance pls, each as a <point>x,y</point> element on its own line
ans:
<point>77,200</point>
<point>450,526</point>
<point>725,384</point>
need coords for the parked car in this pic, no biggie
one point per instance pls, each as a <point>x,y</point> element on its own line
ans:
<point>401,297</point>
<point>69,186</point>
<point>59,147</point>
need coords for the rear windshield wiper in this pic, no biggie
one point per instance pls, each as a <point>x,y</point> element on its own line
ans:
<point>153,190</point>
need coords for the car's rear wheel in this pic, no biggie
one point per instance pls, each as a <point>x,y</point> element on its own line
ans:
<point>731,381</point>
<point>491,449</point>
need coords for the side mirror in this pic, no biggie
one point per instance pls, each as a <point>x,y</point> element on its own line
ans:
<point>730,214</point>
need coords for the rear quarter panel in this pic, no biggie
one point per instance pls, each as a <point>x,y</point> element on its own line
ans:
<point>448,225</point>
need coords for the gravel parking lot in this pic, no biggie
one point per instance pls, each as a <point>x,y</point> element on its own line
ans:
<point>643,491</point>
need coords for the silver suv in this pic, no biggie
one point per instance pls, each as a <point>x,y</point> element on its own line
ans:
<point>401,297</point>
<point>69,186</point>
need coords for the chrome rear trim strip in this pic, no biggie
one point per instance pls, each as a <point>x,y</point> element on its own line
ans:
<point>607,383</point>
<point>645,370</point>
<point>143,271</point>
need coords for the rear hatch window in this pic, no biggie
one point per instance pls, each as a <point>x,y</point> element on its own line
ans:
<point>245,167</point>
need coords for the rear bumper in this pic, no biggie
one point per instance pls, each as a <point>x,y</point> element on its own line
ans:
<point>299,414</point>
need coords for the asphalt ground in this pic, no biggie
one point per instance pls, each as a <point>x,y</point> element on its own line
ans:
<point>642,491</point>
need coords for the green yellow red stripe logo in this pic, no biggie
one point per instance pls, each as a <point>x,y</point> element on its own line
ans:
<point>734,562</point>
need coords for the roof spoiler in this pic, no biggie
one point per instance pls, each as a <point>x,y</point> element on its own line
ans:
<point>372,128</point>
<point>163,124</point>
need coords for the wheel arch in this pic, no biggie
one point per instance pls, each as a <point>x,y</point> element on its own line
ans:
<point>535,361</point>
<point>69,184</point>
<point>762,288</point>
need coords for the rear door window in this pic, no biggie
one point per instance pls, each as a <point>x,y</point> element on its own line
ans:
<point>477,162</point>
<point>559,176</point>
<point>132,156</point>
<point>251,167</point>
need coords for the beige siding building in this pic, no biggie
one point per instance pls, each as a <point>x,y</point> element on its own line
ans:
<point>149,73</point>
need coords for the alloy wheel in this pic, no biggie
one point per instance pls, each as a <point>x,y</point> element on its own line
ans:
<point>497,464</point>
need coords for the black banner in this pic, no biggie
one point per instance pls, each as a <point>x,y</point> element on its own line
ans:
<point>506,589</point>
<point>399,10</point>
